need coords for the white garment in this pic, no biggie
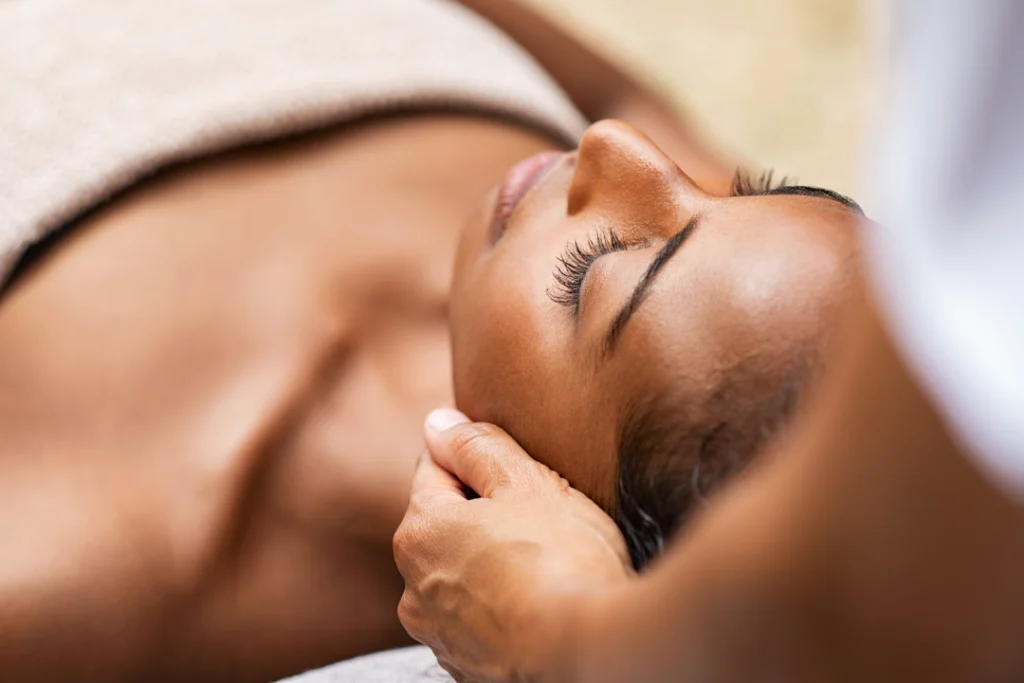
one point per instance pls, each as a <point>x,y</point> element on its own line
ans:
<point>415,664</point>
<point>949,185</point>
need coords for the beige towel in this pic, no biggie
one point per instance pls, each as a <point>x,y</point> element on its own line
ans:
<point>96,94</point>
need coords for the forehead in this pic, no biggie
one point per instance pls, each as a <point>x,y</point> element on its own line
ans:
<point>757,285</point>
<point>723,299</point>
<point>781,216</point>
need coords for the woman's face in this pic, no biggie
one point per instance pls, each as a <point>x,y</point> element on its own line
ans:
<point>594,279</point>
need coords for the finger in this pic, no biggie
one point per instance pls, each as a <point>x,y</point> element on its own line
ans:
<point>481,455</point>
<point>434,490</point>
<point>411,618</point>
<point>433,482</point>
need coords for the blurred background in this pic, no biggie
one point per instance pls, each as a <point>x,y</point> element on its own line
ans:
<point>784,84</point>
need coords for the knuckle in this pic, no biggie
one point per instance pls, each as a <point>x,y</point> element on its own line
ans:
<point>411,616</point>
<point>481,447</point>
<point>405,540</point>
<point>553,477</point>
<point>415,542</point>
<point>418,505</point>
<point>407,609</point>
<point>474,439</point>
<point>399,540</point>
<point>547,480</point>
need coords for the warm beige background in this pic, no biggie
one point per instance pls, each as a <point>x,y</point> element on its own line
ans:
<point>787,84</point>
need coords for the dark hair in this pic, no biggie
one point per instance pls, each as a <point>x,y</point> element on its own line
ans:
<point>674,454</point>
<point>744,184</point>
<point>670,460</point>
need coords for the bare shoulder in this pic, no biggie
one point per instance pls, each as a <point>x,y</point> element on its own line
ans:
<point>213,391</point>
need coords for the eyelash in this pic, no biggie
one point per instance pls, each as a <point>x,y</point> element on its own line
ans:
<point>577,258</point>
<point>574,263</point>
<point>745,185</point>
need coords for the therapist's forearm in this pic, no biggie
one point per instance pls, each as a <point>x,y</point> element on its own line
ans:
<point>734,601</point>
<point>870,549</point>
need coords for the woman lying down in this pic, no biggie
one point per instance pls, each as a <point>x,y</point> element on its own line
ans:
<point>670,339</point>
<point>644,338</point>
<point>216,355</point>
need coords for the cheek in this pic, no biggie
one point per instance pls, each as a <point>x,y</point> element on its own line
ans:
<point>472,243</point>
<point>513,358</point>
<point>514,366</point>
<point>503,343</point>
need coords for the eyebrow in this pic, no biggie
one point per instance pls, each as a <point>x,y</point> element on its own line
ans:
<point>745,185</point>
<point>643,286</point>
<point>811,191</point>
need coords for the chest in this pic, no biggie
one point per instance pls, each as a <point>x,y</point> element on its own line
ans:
<point>279,316</point>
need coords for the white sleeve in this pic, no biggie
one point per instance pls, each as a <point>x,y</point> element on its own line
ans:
<point>948,256</point>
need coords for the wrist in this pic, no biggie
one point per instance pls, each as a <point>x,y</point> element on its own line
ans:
<point>565,634</point>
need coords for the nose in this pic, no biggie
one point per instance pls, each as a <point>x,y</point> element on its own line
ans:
<point>622,174</point>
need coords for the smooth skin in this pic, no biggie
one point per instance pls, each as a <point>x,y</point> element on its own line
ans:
<point>213,387</point>
<point>748,299</point>
<point>866,548</point>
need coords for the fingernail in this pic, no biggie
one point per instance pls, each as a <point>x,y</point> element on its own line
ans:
<point>443,419</point>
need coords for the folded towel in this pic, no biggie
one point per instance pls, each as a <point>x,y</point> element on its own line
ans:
<point>97,95</point>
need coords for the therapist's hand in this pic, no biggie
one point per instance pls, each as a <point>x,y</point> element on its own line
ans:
<point>493,584</point>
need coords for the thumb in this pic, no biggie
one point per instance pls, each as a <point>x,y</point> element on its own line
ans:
<point>481,455</point>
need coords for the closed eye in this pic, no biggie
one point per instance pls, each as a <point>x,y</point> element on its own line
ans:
<point>575,262</point>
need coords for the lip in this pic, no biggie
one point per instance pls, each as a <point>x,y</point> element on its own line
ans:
<point>520,179</point>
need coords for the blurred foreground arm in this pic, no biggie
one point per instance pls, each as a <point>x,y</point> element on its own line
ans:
<point>870,548</point>
<point>885,539</point>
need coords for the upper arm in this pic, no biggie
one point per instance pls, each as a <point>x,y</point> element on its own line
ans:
<point>602,90</point>
<point>869,544</point>
<point>593,83</point>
